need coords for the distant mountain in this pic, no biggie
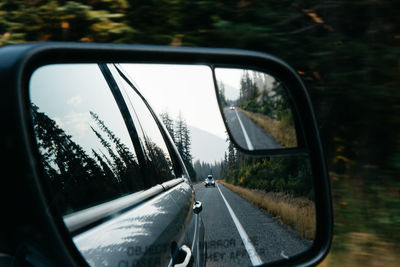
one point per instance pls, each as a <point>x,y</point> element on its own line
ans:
<point>206,146</point>
<point>231,93</point>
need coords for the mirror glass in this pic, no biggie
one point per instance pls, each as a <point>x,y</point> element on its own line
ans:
<point>256,109</point>
<point>117,142</point>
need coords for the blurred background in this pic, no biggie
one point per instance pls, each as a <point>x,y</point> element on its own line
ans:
<point>347,53</point>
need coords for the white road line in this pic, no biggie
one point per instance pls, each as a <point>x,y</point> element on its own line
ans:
<point>283,255</point>
<point>195,232</point>
<point>246,137</point>
<point>255,259</point>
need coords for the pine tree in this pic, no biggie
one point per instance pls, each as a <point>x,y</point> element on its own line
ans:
<point>179,135</point>
<point>159,166</point>
<point>87,21</point>
<point>118,166</point>
<point>182,139</point>
<point>203,169</point>
<point>72,173</point>
<point>105,167</point>
<point>122,150</point>
<point>169,124</point>
<point>232,162</point>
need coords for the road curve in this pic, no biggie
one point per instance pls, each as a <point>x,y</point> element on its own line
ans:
<point>246,133</point>
<point>225,245</point>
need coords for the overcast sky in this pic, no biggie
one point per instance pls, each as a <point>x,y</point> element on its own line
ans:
<point>66,93</point>
<point>188,89</point>
<point>231,80</point>
<point>180,88</point>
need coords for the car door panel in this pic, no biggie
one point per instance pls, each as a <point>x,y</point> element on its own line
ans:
<point>143,235</point>
<point>134,224</point>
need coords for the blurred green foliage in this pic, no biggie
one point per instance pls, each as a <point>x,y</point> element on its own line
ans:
<point>290,175</point>
<point>347,52</point>
<point>259,97</point>
<point>97,21</point>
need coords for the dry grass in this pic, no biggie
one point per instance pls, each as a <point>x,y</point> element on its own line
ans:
<point>283,133</point>
<point>298,213</point>
<point>363,249</point>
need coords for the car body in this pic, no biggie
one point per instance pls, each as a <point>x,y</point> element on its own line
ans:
<point>209,181</point>
<point>122,207</point>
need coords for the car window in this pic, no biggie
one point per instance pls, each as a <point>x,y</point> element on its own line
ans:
<point>85,148</point>
<point>159,163</point>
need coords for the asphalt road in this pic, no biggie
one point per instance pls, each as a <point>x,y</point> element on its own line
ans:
<point>246,133</point>
<point>248,237</point>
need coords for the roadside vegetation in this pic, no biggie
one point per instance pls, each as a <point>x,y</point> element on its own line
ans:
<point>290,174</point>
<point>282,186</point>
<point>363,248</point>
<point>296,212</point>
<point>203,169</point>
<point>346,52</point>
<point>282,131</point>
<point>264,100</point>
<point>180,134</point>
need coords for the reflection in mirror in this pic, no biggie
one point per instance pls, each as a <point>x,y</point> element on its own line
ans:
<point>116,179</point>
<point>272,200</point>
<point>256,109</point>
<point>86,150</point>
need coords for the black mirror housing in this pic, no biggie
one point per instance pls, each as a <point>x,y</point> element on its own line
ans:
<point>34,223</point>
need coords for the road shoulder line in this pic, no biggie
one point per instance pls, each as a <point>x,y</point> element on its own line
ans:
<point>254,257</point>
<point>246,137</point>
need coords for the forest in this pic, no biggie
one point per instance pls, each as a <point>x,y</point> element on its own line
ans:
<point>289,174</point>
<point>180,134</point>
<point>79,179</point>
<point>265,101</point>
<point>203,169</point>
<point>346,52</point>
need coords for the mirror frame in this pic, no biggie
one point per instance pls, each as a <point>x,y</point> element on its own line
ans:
<point>44,226</point>
<point>301,144</point>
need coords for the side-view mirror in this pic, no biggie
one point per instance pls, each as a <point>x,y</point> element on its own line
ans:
<point>197,207</point>
<point>103,173</point>
<point>257,109</point>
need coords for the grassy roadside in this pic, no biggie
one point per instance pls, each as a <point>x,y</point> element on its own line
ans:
<point>283,133</point>
<point>366,217</point>
<point>362,249</point>
<point>296,212</point>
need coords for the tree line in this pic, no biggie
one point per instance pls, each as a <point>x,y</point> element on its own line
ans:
<point>78,179</point>
<point>290,174</point>
<point>203,169</point>
<point>342,66</point>
<point>346,52</point>
<point>180,134</point>
<point>265,101</point>
<point>313,36</point>
<point>259,95</point>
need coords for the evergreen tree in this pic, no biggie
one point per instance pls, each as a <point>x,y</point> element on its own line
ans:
<point>169,124</point>
<point>105,166</point>
<point>181,136</point>
<point>232,162</point>
<point>122,150</point>
<point>222,97</point>
<point>80,20</point>
<point>159,166</point>
<point>118,166</point>
<point>203,169</point>
<point>71,172</point>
